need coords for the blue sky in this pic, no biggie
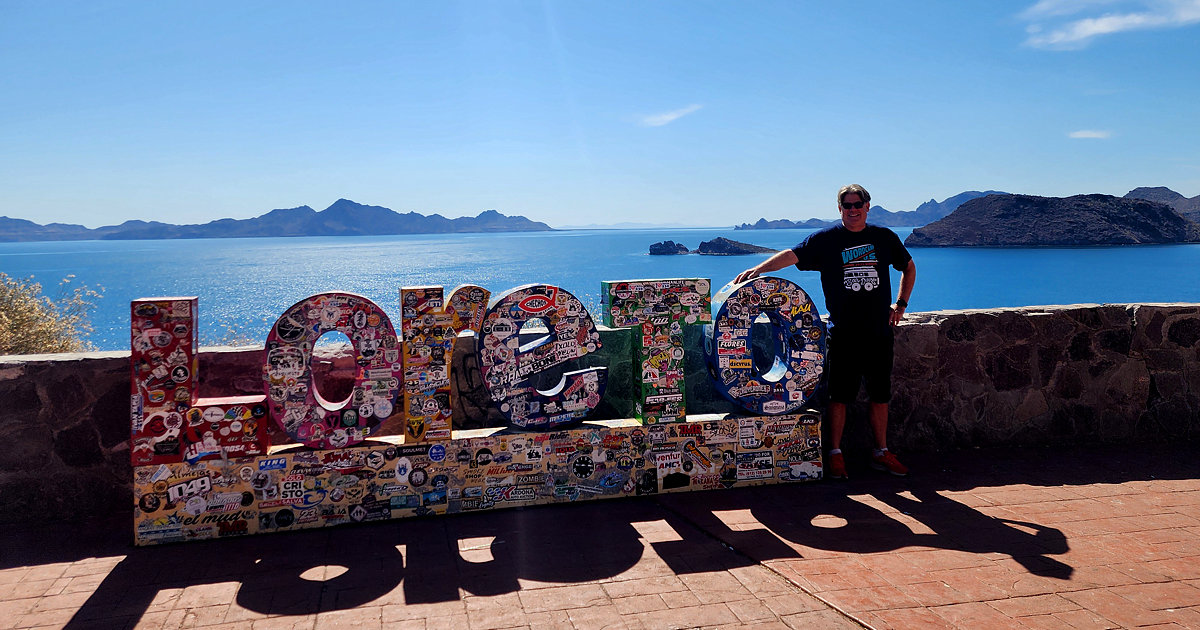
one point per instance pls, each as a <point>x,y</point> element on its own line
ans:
<point>703,113</point>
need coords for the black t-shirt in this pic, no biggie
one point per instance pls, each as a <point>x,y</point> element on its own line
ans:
<point>854,273</point>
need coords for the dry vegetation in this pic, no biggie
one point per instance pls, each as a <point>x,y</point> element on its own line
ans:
<point>32,323</point>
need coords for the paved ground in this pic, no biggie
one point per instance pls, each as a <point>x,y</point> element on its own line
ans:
<point>1089,538</point>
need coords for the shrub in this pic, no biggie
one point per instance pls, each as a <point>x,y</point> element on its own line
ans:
<point>32,323</point>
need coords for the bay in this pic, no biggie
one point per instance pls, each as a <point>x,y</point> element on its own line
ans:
<point>244,284</point>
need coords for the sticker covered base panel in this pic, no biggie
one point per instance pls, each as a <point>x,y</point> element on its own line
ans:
<point>378,480</point>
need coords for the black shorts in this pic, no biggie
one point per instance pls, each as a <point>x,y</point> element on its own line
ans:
<point>855,357</point>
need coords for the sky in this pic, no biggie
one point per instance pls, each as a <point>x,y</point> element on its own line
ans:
<point>691,112</point>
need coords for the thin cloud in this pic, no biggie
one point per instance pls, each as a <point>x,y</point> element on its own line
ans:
<point>1090,134</point>
<point>666,118</point>
<point>1054,8</point>
<point>1050,29</point>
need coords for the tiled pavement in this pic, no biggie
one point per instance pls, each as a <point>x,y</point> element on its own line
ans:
<point>1090,538</point>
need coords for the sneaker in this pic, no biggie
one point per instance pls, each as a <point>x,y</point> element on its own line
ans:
<point>837,466</point>
<point>888,462</point>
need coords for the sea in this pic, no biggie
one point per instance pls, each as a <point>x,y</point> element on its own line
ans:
<point>245,284</point>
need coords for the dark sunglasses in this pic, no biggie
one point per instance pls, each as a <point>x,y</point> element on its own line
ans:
<point>857,205</point>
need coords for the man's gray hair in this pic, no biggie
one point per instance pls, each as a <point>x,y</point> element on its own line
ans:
<point>856,189</point>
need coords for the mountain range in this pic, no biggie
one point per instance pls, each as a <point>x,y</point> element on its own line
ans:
<point>348,218</point>
<point>927,212</point>
<point>342,218</point>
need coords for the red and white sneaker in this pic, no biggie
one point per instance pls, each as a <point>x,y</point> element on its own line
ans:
<point>887,462</point>
<point>837,466</point>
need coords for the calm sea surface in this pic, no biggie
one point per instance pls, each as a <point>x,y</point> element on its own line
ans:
<point>244,284</point>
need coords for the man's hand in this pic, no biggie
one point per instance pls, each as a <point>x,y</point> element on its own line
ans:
<point>748,274</point>
<point>784,258</point>
<point>907,280</point>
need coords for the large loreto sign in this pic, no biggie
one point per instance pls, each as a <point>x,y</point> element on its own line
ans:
<point>206,467</point>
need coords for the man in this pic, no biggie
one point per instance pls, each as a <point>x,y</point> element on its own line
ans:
<point>853,259</point>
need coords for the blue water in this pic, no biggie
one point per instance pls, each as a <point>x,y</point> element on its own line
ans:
<point>246,283</point>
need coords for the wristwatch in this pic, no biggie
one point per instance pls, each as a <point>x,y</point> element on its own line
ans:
<point>901,302</point>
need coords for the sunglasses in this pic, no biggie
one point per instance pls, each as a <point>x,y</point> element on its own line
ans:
<point>857,205</point>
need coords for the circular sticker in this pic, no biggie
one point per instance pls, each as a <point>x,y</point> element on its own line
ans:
<point>583,467</point>
<point>284,518</point>
<point>195,506</point>
<point>149,502</point>
<point>418,477</point>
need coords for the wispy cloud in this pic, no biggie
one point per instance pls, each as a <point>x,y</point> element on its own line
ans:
<point>1054,8</point>
<point>1073,24</point>
<point>666,118</point>
<point>1090,133</point>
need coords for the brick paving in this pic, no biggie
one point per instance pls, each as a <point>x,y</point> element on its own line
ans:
<point>1086,538</point>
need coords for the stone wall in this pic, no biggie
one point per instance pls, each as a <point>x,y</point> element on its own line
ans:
<point>1029,376</point>
<point>1047,376</point>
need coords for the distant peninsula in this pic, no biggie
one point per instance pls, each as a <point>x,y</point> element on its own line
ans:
<point>1080,220</point>
<point>927,212</point>
<point>719,246</point>
<point>342,218</point>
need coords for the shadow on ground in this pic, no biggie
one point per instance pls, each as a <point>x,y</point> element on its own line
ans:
<point>442,559</point>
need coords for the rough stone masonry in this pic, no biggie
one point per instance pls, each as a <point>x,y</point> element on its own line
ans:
<point>1034,376</point>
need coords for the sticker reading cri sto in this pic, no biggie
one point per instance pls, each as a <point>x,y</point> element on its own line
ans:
<point>204,467</point>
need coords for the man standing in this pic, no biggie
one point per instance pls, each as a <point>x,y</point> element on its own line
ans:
<point>853,259</point>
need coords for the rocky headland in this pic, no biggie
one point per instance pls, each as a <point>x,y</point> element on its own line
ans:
<point>1080,220</point>
<point>719,246</point>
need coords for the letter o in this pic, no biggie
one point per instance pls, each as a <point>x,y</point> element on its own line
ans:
<point>797,338</point>
<point>296,405</point>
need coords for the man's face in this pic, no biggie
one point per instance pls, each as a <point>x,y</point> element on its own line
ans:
<point>854,212</point>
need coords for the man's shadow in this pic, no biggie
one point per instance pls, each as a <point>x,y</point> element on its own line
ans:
<point>794,513</point>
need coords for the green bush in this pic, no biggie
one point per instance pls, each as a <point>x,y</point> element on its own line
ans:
<point>31,323</point>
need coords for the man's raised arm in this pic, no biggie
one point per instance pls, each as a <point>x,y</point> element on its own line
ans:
<point>781,259</point>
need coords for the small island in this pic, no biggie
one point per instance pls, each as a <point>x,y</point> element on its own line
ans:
<point>1077,221</point>
<point>719,246</point>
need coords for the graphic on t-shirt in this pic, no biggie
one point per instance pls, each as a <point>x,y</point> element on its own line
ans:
<point>858,268</point>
